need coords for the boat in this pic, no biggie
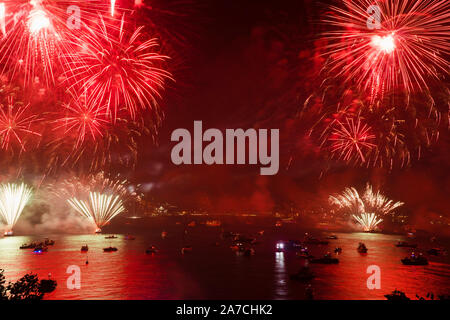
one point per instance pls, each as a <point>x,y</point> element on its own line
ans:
<point>28,246</point>
<point>280,246</point>
<point>311,240</point>
<point>303,275</point>
<point>404,244</point>
<point>8,233</point>
<point>338,250</point>
<point>111,237</point>
<point>98,231</point>
<point>85,248</point>
<point>435,251</point>
<point>129,237</point>
<point>186,249</point>
<point>362,248</point>
<point>244,239</point>
<point>164,234</point>
<point>213,223</point>
<point>110,249</point>
<point>295,244</point>
<point>397,295</point>
<point>237,247</point>
<point>40,249</point>
<point>326,259</point>
<point>304,254</point>
<point>151,250</point>
<point>191,224</point>
<point>49,242</point>
<point>415,260</point>
<point>332,237</point>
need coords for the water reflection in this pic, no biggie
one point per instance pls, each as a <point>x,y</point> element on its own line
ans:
<point>280,273</point>
<point>215,272</point>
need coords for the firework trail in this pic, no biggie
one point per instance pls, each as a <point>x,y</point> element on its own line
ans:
<point>14,122</point>
<point>96,196</point>
<point>368,221</point>
<point>100,208</point>
<point>365,209</point>
<point>83,121</point>
<point>405,49</point>
<point>386,134</point>
<point>13,199</point>
<point>378,203</point>
<point>351,139</point>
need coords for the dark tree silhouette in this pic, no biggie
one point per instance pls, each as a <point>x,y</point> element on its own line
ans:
<point>26,288</point>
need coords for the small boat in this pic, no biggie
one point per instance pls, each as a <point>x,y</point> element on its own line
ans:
<point>303,275</point>
<point>311,240</point>
<point>164,234</point>
<point>40,249</point>
<point>98,231</point>
<point>129,237</point>
<point>338,250</point>
<point>111,237</point>
<point>295,244</point>
<point>235,247</point>
<point>326,259</point>
<point>404,244</point>
<point>278,224</point>
<point>435,252</point>
<point>151,250</point>
<point>397,295</point>
<point>415,260</point>
<point>186,249</point>
<point>110,249</point>
<point>260,233</point>
<point>191,224</point>
<point>213,223</point>
<point>85,248</point>
<point>280,246</point>
<point>49,242</point>
<point>304,254</point>
<point>332,237</point>
<point>8,233</point>
<point>28,246</point>
<point>362,248</point>
<point>244,239</point>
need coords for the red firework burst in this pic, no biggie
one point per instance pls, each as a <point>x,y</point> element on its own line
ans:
<point>83,120</point>
<point>404,47</point>
<point>37,35</point>
<point>351,140</point>
<point>119,71</point>
<point>15,124</point>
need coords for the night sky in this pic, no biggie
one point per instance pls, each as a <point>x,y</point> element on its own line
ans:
<point>252,64</point>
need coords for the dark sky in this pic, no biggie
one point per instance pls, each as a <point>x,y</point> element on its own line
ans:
<point>249,64</point>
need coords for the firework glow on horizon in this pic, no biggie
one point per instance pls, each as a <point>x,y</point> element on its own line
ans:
<point>100,208</point>
<point>367,209</point>
<point>13,199</point>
